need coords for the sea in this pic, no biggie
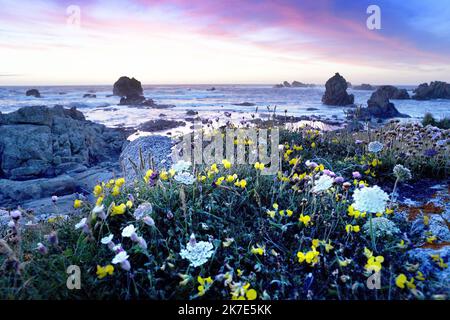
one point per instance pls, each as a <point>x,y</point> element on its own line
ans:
<point>214,102</point>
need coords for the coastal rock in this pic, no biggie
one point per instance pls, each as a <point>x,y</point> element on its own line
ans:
<point>191,113</point>
<point>34,93</point>
<point>244,104</point>
<point>89,95</point>
<point>157,148</point>
<point>379,106</point>
<point>127,87</point>
<point>392,92</point>
<point>297,84</point>
<point>36,141</point>
<point>160,125</point>
<point>278,86</point>
<point>364,86</point>
<point>286,84</point>
<point>435,90</point>
<point>430,268</point>
<point>336,92</point>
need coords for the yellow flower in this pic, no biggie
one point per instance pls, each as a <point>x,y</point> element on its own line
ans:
<point>305,219</point>
<point>419,276</point>
<point>300,256</point>
<point>219,181</point>
<point>401,281</point>
<point>97,191</point>
<point>345,262</point>
<point>226,164</point>
<point>251,294</point>
<point>352,212</point>
<point>289,213</point>
<point>104,271</point>
<point>147,176</point>
<point>328,246</point>
<point>99,201</point>
<point>172,172</point>
<point>242,183</point>
<point>164,175</point>
<point>231,178</point>
<point>293,161</point>
<point>214,168</point>
<point>260,250</point>
<point>374,263</point>
<point>116,191</point>
<point>259,166</point>
<point>271,213</point>
<point>275,206</point>
<point>120,182</point>
<point>389,211</point>
<point>205,283</point>
<point>77,204</point>
<point>431,239</point>
<point>109,184</point>
<point>368,253</point>
<point>201,178</point>
<point>129,204</point>
<point>315,243</point>
<point>349,228</point>
<point>401,244</point>
<point>426,220</point>
<point>313,145</point>
<point>120,209</point>
<point>298,148</point>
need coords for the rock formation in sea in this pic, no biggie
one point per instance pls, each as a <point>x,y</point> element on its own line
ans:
<point>378,106</point>
<point>395,93</point>
<point>294,84</point>
<point>53,151</point>
<point>435,90</point>
<point>33,93</point>
<point>286,84</point>
<point>132,94</point>
<point>364,86</point>
<point>336,92</point>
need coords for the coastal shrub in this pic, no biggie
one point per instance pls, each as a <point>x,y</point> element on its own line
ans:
<point>428,119</point>
<point>318,229</point>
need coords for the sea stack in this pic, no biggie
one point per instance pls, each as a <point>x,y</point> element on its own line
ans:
<point>336,92</point>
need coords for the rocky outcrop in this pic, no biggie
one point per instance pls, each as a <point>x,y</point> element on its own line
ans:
<point>297,84</point>
<point>89,95</point>
<point>34,93</point>
<point>36,141</point>
<point>364,86</point>
<point>160,125</point>
<point>286,84</point>
<point>156,148</point>
<point>435,90</point>
<point>336,92</point>
<point>127,87</point>
<point>394,93</point>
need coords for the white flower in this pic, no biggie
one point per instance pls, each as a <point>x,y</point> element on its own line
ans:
<point>375,146</point>
<point>81,224</point>
<point>370,199</point>
<point>402,173</point>
<point>11,224</point>
<point>149,221</point>
<point>322,184</point>
<point>185,178</point>
<point>117,248</point>
<point>197,253</point>
<point>382,227</point>
<point>128,231</point>
<point>98,209</point>
<point>122,256</point>
<point>16,214</point>
<point>107,239</point>
<point>143,210</point>
<point>181,166</point>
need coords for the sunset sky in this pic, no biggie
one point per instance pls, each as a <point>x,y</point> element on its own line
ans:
<point>230,41</point>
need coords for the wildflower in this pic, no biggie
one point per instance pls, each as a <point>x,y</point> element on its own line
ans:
<point>82,225</point>
<point>311,257</point>
<point>226,164</point>
<point>164,175</point>
<point>227,242</point>
<point>122,259</point>
<point>241,183</point>
<point>374,263</point>
<point>115,191</point>
<point>275,206</point>
<point>186,278</point>
<point>305,219</point>
<point>375,146</point>
<point>219,181</point>
<point>104,271</point>
<point>370,199</point>
<point>99,210</point>
<point>185,178</point>
<point>328,246</point>
<point>97,191</point>
<point>356,175</point>
<point>259,250</point>
<point>108,241</point>
<point>259,166</point>
<point>148,175</point>
<point>271,213</point>
<point>440,262</point>
<point>120,182</point>
<point>419,276</point>
<point>205,283</point>
<point>181,166</point>
<point>129,232</point>
<point>401,244</point>
<point>41,248</point>
<point>297,148</point>
<point>214,168</point>
<point>322,184</point>
<point>289,213</point>
<point>293,161</point>
<point>381,227</point>
<point>129,204</point>
<point>401,281</point>
<point>231,178</point>
<point>242,291</point>
<point>99,201</point>
<point>355,213</point>
<point>431,239</point>
<point>311,164</point>
<point>345,262</point>
<point>116,210</point>
<point>313,145</point>
<point>402,173</point>
<point>144,209</point>
<point>149,221</point>
<point>77,204</point>
<point>197,253</point>
<point>338,180</point>
<point>350,228</point>
<point>16,214</point>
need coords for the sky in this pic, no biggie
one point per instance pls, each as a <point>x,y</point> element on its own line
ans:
<point>222,42</point>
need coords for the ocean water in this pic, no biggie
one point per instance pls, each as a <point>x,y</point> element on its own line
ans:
<point>210,104</point>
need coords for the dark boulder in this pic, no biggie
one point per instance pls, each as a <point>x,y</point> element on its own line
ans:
<point>364,86</point>
<point>160,125</point>
<point>297,84</point>
<point>126,87</point>
<point>286,84</point>
<point>394,93</point>
<point>435,90</point>
<point>34,93</point>
<point>336,92</point>
<point>89,95</point>
<point>244,104</point>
